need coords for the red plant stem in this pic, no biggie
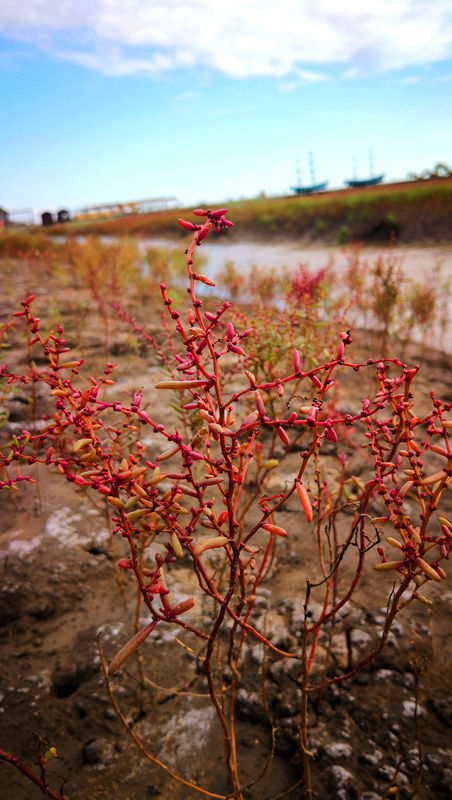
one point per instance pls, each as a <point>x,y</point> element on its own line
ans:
<point>39,781</point>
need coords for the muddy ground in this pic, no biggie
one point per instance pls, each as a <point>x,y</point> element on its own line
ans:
<point>384,733</point>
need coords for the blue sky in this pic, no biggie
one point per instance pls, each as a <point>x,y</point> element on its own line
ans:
<point>116,100</point>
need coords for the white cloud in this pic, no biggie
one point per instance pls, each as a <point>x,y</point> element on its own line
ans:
<point>241,38</point>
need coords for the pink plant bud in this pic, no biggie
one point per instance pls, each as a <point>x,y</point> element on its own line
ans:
<point>280,390</point>
<point>187,225</point>
<point>200,212</point>
<point>296,361</point>
<point>235,349</point>
<point>204,231</point>
<point>214,481</point>
<point>251,377</point>
<point>312,416</point>
<point>230,332</point>
<point>136,401</point>
<point>274,529</point>
<point>157,588</point>
<point>222,517</point>
<point>246,332</point>
<point>227,223</point>
<point>189,492</point>
<point>340,351</point>
<point>316,381</point>
<point>292,417</point>
<point>125,563</point>
<point>220,212</point>
<point>250,419</point>
<point>331,434</point>
<point>190,317</point>
<point>181,608</point>
<point>259,403</point>
<point>210,317</point>
<point>282,435</point>
<point>304,500</point>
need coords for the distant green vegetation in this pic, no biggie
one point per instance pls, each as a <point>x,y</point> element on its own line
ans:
<point>414,212</point>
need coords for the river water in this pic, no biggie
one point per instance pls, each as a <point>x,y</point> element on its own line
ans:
<point>416,262</point>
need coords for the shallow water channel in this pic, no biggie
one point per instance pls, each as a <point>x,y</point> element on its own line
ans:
<point>417,263</point>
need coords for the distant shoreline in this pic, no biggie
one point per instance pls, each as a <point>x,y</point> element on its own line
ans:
<point>415,212</point>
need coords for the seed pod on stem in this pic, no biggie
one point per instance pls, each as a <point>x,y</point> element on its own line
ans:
<point>179,386</point>
<point>428,570</point>
<point>386,566</point>
<point>304,500</point>
<point>187,225</point>
<point>203,232</point>
<point>210,544</point>
<point>176,545</point>
<point>182,607</point>
<point>218,213</point>
<point>259,403</point>
<point>282,435</point>
<point>274,529</point>
<point>130,647</point>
